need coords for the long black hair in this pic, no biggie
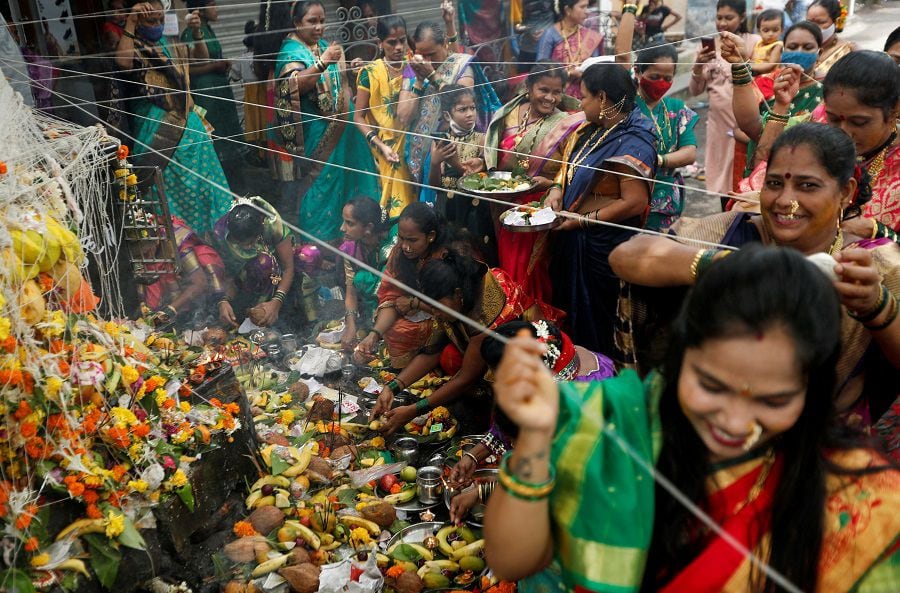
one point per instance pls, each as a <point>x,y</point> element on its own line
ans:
<point>442,278</point>
<point>740,7</point>
<point>385,24</point>
<point>276,20</point>
<point>832,7</point>
<point>613,81</point>
<point>754,290</point>
<point>872,76</point>
<point>427,220</point>
<point>562,5</point>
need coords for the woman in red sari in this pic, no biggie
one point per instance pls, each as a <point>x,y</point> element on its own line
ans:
<point>528,135</point>
<point>401,320</point>
<point>740,422</point>
<point>485,295</point>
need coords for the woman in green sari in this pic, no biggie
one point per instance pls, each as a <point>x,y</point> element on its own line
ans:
<point>209,80</point>
<point>322,160</point>
<point>676,145</point>
<point>739,422</point>
<point>369,237</point>
<point>168,132</point>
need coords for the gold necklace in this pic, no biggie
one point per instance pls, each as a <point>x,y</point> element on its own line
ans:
<point>877,165</point>
<point>583,153</point>
<point>755,490</point>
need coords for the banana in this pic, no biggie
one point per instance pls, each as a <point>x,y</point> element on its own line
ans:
<point>251,500</point>
<point>354,521</point>
<point>308,535</point>
<point>80,527</point>
<point>424,552</point>
<point>73,564</point>
<point>270,565</point>
<point>265,501</point>
<point>266,453</point>
<point>67,240</point>
<point>304,456</point>
<point>401,497</point>
<point>472,549</point>
<point>437,566</point>
<point>381,560</point>
<point>28,245</point>
<point>332,546</point>
<point>277,481</point>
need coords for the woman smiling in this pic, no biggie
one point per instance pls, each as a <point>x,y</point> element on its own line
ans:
<point>809,185</point>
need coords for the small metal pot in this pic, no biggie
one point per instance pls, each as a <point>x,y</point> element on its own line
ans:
<point>406,449</point>
<point>289,343</point>
<point>429,484</point>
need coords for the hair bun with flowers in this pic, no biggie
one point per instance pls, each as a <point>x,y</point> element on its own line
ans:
<point>560,355</point>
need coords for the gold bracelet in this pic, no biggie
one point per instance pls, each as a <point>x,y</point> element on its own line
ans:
<point>874,229</point>
<point>696,262</point>
<point>522,491</point>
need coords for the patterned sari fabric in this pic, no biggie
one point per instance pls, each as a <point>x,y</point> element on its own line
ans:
<point>397,189</point>
<point>674,124</point>
<point>410,333</point>
<point>571,50</point>
<point>456,66</point>
<point>254,269</point>
<point>171,136</point>
<point>825,64</point>
<point>885,203</point>
<point>858,371</point>
<point>502,300</point>
<point>603,504</point>
<point>336,167</point>
<point>365,282</point>
<point>538,151</point>
<point>193,255</point>
<point>584,284</point>
<point>212,91</point>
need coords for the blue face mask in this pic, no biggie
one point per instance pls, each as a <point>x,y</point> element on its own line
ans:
<point>804,59</point>
<point>153,34</point>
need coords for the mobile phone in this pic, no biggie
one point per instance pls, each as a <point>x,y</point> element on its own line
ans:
<point>708,43</point>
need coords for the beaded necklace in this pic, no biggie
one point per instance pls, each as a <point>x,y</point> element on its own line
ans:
<point>877,165</point>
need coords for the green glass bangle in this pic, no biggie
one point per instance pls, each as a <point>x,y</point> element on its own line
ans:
<point>422,405</point>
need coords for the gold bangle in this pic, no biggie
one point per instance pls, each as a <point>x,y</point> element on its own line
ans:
<point>696,262</point>
<point>874,229</point>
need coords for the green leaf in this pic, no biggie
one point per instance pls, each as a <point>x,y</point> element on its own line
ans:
<point>15,581</point>
<point>186,494</point>
<point>347,496</point>
<point>406,553</point>
<point>131,537</point>
<point>105,559</point>
<point>278,464</point>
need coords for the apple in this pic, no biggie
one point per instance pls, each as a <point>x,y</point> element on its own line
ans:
<point>388,481</point>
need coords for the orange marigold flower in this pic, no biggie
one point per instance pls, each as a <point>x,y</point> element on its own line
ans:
<point>168,404</point>
<point>140,430</point>
<point>64,367</point>
<point>396,488</point>
<point>215,402</point>
<point>233,408</point>
<point>244,529</point>
<point>23,410</point>
<point>8,344</point>
<point>3,510</point>
<point>75,489</point>
<point>36,448</point>
<point>23,521</point>
<point>91,496</point>
<point>32,544</point>
<point>28,429</point>
<point>45,282</point>
<point>94,512</point>
<point>228,423</point>
<point>119,472</point>
<point>394,571</point>
<point>119,436</point>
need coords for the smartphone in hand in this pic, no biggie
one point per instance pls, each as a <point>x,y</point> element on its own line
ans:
<point>708,43</point>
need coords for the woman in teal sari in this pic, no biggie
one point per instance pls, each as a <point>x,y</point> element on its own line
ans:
<point>676,144</point>
<point>168,132</point>
<point>369,236</point>
<point>209,80</point>
<point>312,109</point>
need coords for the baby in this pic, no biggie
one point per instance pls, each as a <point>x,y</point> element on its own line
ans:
<point>767,52</point>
